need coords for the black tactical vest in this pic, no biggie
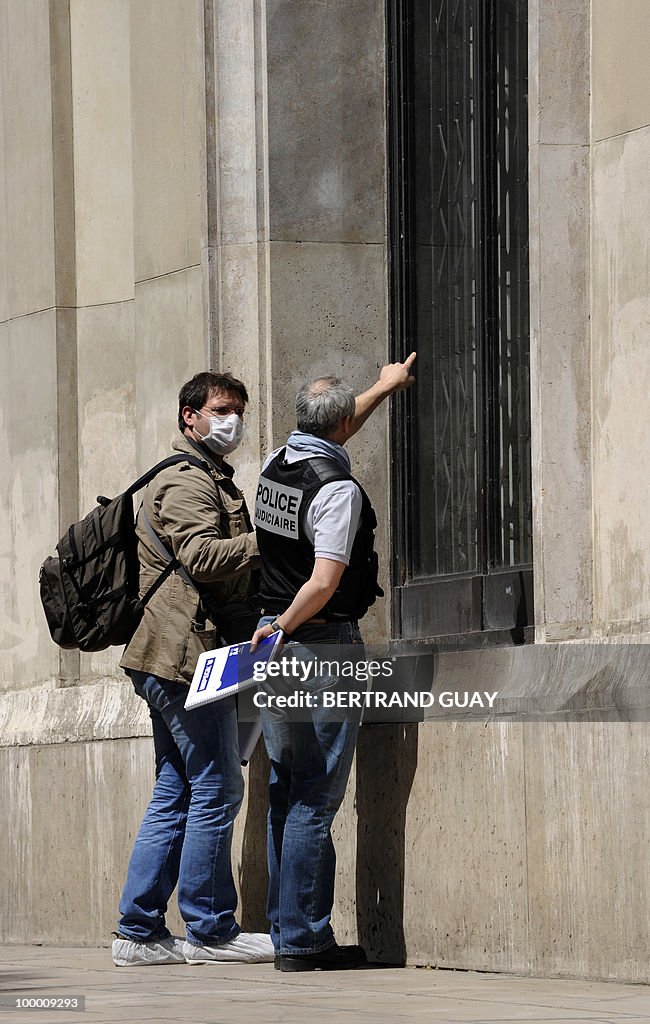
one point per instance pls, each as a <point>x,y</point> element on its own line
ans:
<point>284,494</point>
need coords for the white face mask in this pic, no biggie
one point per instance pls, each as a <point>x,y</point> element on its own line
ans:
<point>225,432</point>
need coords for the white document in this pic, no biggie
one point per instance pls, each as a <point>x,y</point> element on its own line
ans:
<point>227,670</point>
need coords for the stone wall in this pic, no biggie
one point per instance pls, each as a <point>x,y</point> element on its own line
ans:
<point>558,111</point>
<point>511,846</point>
<point>100,277</point>
<point>620,315</point>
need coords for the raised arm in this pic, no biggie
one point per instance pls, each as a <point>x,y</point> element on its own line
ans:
<point>393,377</point>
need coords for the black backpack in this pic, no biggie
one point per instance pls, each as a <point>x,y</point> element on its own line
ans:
<point>89,590</point>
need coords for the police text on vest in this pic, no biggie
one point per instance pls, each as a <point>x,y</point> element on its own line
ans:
<point>276,508</point>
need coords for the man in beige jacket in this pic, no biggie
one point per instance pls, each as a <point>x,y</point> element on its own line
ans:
<point>185,837</point>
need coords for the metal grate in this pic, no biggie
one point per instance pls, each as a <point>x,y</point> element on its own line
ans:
<point>507,241</point>
<point>445,271</point>
<point>460,280</point>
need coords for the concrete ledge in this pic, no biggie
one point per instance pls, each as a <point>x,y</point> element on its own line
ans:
<point>106,710</point>
<point>605,681</point>
<point>595,681</point>
<point>508,845</point>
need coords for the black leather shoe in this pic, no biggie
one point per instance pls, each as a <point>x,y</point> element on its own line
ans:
<point>336,958</point>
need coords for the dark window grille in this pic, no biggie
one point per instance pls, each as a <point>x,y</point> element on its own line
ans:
<point>459,270</point>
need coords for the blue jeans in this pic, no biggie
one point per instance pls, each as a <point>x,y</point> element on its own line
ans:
<point>185,837</point>
<point>310,765</point>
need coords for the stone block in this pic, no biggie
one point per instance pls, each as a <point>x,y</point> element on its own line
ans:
<point>4,251</point>
<point>561,389</point>
<point>166,171</point>
<point>328,316</point>
<point>431,846</point>
<point>249,844</point>
<point>107,421</point>
<point>29,512</point>
<point>27,145</point>
<point>106,383</point>
<point>587,822</point>
<point>621,367</point>
<point>166,355</point>
<point>235,120</point>
<point>193,127</point>
<point>17,846</point>
<point>559,70</point>
<point>197,335</point>
<point>344,834</point>
<point>326,128</point>
<point>118,777</point>
<point>73,863</point>
<point>63,155</point>
<point>242,350</point>
<point>103,164</point>
<point>240,313</point>
<point>465,894</point>
<point>60,868</point>
<point>620,72</point>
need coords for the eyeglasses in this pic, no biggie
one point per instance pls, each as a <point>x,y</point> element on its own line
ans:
<point>224,409</point>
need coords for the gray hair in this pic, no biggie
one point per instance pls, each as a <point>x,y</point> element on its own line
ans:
<point>321,405</point>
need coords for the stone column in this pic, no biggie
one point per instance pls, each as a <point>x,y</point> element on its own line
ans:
<point>621,315</point>
<point>560,352</point>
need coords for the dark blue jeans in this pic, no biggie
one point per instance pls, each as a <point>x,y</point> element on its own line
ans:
<point>185,837</point>
<point>310,765</point>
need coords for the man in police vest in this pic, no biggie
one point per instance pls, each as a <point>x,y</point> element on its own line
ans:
<point>315,531</point>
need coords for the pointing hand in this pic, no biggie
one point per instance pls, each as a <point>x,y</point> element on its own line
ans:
<point>397,376</point>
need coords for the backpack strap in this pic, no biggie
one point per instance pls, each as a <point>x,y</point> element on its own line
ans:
<point>171,460</point>
<point>173,565</point>
<point>327,472</point>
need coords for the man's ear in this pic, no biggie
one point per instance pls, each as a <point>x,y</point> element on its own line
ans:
<point>187,412</point>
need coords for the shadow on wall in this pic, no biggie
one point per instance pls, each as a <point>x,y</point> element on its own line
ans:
<point>382,799</point>
<point>253,874</point>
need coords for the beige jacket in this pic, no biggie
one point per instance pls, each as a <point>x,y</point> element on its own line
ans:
<point>203,518</point>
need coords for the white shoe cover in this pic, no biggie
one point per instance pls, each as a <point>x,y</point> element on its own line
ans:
<point>127,953</point>
<point>246,948</point>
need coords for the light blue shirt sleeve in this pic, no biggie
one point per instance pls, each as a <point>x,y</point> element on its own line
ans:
<point>332,520</point>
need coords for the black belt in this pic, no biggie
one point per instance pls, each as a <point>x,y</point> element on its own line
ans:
<point>322,620</point>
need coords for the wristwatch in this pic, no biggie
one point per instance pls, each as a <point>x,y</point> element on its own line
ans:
<point>276,627</point>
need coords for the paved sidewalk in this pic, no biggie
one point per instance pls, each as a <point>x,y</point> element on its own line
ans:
<point>237,994</point>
